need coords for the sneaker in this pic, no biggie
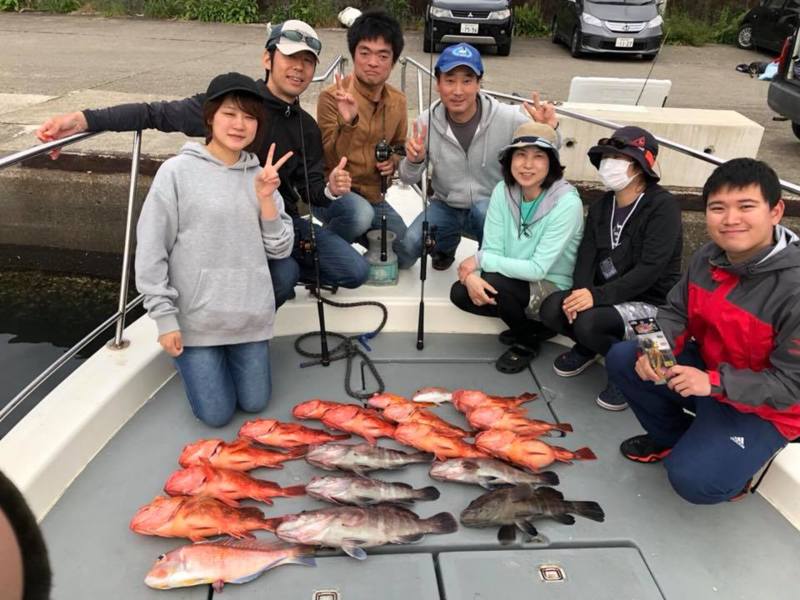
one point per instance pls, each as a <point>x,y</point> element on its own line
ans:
<point>612,398</point>
<point>643,449</point>
<point>442,261</point>
<point>572,362</point>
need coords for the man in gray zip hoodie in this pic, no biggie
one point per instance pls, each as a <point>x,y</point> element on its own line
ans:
<point>467,131</point>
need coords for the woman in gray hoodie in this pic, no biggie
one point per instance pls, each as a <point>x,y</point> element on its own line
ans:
<point>211,220</point>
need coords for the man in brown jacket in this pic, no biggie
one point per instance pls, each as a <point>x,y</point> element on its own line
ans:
<point>356,114</point>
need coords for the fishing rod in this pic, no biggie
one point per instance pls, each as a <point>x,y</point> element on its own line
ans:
<point>427,234</point>
<point>652,66</point>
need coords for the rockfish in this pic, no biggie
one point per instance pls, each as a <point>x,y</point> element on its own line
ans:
<point>313,409</point>
<point>224,561</point>
<point>489,473</point>
<point>197,518</point>
<point>410,413</point>
<point>285,435</point>
<point>240,455</point>
<point>467,400</point>
<point>526,451</point>
<point>517,507</point>
<point>362,458</point>
<point>436,395</point>
<point>365,422</point>
<point>363,491</point>
<point>226,485</point>
<point>353,529</point>
<point>496,417</point>
<point>441,443</point>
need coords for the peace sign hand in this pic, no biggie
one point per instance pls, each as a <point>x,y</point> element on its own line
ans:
<point>415,144</point>
<point>345,102</point>
<point>268,181</point>
<point>541,112</point>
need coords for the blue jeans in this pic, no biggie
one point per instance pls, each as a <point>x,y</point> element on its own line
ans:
<point>220,378</point>
<point>351,216</point>
<point>339,263</point>
<point>450,223</point>
<point>715,452</point>
<point>284,272</point>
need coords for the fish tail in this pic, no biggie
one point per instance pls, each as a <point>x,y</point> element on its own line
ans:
<point>296,452</point>
<point>547,478</point>
<point>294,490</point>
<point>584,454</point>
<point>590,510</point>
<point>566,427</point>
<point>444,522</point>
<point>340,436</point>
<point>271,524</point>
<point>427,493</point>
<point>526,397</point>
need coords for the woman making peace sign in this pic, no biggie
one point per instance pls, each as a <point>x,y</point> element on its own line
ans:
<point>211,220</point>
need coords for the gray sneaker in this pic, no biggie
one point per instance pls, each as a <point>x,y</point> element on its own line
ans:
<point>612,398</point>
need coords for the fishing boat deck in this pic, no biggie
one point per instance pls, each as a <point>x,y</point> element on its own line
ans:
<point>652,544</point>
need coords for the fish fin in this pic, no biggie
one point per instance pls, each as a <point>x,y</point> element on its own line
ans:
<point>340,436</point>
<point>590,510</point>
<point>564,519</point>
<point>296,452</point>
<point>272,524</point>
<point>524,491</point>
<point>427,493</point>
<point>251,512</point>
<point>584,454</point>
<point>370,440</point>
<point>361,472</point>
<point>548,492</point>
<point>526,527</point>
<point>218,585</point>
<point>229,501</point>
<point>352,548</point>
<point>294,490</point>
<point>410,538</point>
<point>548,478</point>
<point>443,522</point>
<point>507,534</point>
<point>566,427</point>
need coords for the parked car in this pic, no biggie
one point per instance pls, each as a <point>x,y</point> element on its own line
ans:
<point>477,22</point>
<point>768,24</point>
<point>784,89</point>
<point>614,26</point>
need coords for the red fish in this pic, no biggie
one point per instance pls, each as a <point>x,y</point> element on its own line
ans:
<point>226,485</point>
<point>495,417</point>
<point>286,435</point>
<point>362,421</point>
<point>240,455</point>
<point>313,409</point>
<point>441,443</point>
<point>382,401</point>
<point>526,451</point>
<point>197,518</point>
<point>467,400</point>
<point>403,413</point>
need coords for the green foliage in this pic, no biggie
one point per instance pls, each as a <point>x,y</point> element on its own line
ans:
<point>686,30</point>
<point>58,6</point>
<point>529,22</point>
<point>315,13</point>
<point>727,26</point>
<point>9,5</point>
<point>226,11</point>
<point>163,9</point>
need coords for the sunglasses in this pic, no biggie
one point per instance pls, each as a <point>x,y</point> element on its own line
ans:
<point>296,36</point>
<point>622,145</point>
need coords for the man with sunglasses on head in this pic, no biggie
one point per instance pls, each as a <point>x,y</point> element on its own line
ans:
<point>467,131</point>
<point>357,114</point>
<point>289,59</point>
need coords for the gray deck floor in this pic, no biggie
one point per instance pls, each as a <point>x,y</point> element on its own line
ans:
<point>652,544</point>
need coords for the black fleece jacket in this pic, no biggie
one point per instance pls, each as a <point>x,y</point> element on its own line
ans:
<point>282,128</point>
<point>648,258</point>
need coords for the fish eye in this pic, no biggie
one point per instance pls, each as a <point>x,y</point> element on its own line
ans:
<point>162,556</point>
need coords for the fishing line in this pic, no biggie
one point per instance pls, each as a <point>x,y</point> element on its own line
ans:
<point>652,66</point>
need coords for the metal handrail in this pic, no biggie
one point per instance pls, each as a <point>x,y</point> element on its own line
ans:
<point>682,148</point>
<point>124,306</point>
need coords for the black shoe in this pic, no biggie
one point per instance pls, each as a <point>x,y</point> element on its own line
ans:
<point>516,359</point>
<point>612,398</point>
<point>507,338</point>
<point>442,261</point>
<point>643,449</point>
<point>572,362</point>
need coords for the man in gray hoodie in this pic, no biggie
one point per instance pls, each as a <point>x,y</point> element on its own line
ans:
<point>467,131</point>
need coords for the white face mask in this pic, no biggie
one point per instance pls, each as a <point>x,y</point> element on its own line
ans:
<point>614,173</point>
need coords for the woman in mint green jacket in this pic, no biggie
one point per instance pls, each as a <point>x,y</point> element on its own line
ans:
<point>530,241</point>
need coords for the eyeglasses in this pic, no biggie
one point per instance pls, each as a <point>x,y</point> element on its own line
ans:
<point>297,36</point>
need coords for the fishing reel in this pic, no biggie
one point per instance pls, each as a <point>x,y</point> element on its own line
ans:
<point>384,150</point>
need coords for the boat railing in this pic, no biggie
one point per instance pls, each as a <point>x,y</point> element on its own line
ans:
<point>124,306</point>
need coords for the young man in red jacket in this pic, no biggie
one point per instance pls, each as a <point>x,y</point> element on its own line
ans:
<point>733,321</point>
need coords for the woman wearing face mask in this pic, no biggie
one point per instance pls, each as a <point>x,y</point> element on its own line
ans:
<point>629,257</point>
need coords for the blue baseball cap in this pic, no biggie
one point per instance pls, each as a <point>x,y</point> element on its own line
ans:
<point>460,55</point>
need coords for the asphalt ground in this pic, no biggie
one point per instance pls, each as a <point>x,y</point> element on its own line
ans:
<point>51,64</point>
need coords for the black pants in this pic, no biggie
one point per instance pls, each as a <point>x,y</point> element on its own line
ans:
<point>512,298</point>
<point>594,330</point>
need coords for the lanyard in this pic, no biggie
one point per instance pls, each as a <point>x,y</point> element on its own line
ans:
<point>615,242</point>
<point>524,225</point>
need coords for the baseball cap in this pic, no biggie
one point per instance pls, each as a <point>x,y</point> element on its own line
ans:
<point>533,134</point>
<point>634,142</point>
<point>293,36</point>
<point>232,82</point>
<point>458,56</point>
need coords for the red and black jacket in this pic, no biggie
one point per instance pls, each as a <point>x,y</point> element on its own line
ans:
<point>745,320</point>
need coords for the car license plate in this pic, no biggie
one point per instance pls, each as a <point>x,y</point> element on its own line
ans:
<point>624,43</point>
<point>473,28</point>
